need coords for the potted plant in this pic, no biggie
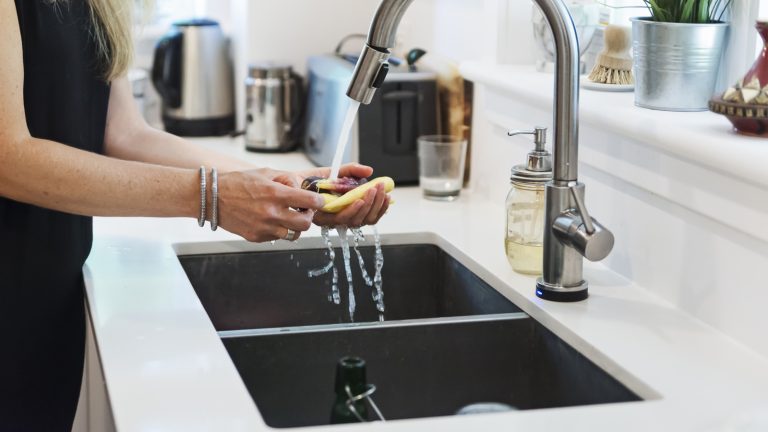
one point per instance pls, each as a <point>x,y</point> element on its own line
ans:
<point>677,53</point>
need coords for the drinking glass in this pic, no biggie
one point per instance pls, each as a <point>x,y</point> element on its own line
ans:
<point>441,163</point>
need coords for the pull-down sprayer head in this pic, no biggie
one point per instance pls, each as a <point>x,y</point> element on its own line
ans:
<point>372,66</point>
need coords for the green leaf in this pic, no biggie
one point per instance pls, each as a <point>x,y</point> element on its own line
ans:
<point>687,11</point>
<point>703,11</point>
<point>686,14</point>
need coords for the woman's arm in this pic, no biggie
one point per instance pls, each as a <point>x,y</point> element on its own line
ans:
<point>59,177</point>
<point>129,137</point>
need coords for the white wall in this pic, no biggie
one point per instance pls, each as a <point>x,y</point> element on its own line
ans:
<point>292,30</point>
<point>498,31</point>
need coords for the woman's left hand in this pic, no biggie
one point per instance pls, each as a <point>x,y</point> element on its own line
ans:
<point>366,211</point>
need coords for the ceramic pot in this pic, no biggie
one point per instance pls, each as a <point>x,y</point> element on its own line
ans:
<point>746,103</point>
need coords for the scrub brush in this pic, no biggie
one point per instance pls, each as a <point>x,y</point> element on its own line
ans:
<point>614,65</point>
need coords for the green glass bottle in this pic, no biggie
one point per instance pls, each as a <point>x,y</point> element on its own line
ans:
<point>350,371</point>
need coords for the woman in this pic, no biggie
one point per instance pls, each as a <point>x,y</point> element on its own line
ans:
<point>72,146</point>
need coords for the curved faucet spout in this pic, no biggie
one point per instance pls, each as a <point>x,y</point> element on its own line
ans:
<point>562,276</point>
<point>371,70</point>
<point>566,109</point>
<point>384,25</point>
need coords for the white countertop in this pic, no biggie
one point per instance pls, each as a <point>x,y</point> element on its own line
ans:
<point>167,370</point>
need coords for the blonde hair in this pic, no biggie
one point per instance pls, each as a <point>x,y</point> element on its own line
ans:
<point>112,26</point>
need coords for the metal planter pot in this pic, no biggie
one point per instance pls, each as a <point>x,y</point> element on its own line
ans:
<point>676,64</point>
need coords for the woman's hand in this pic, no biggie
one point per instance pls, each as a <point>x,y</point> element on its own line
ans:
<point>366,211</point>
<point>259,205</point>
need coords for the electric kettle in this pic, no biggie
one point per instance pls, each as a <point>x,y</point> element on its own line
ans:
<point>192,72</point>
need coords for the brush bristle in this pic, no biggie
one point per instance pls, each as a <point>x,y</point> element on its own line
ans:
<point>614,64</point>
<point>605,75</point>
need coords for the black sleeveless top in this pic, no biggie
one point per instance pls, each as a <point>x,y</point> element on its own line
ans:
<point>42,251</point>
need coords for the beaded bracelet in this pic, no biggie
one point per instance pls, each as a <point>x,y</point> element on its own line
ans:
<point>201,219</point>
<point>214,199</point>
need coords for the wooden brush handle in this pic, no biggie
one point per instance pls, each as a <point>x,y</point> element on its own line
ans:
<point>617,42</point>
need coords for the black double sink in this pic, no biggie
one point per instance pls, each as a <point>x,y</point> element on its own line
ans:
<point>449,339</point>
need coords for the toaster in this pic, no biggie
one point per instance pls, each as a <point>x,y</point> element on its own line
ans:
<point>386,131</point>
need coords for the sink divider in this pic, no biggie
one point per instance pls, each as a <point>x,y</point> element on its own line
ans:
<point>227,334</point>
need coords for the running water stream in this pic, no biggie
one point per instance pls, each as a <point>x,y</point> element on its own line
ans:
<point>357,236</point>
<point>375,283</point>
<point>341,145</point>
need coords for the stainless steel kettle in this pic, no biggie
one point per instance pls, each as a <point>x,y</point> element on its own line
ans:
<point>192,71</point>
<point>274,107</point>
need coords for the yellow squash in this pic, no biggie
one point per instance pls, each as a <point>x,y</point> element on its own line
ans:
<point>335,204</point>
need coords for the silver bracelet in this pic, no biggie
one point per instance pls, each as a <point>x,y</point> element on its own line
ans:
<point>214,199</point>
<point>201,219</point>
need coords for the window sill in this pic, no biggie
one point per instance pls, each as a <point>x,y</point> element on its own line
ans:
<point>693,160</point>
<point>703,138</point>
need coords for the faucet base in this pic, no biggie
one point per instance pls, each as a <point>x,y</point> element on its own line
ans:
<point>560,293</point>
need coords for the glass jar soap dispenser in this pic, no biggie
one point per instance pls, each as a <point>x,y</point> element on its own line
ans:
<point>524,238</point>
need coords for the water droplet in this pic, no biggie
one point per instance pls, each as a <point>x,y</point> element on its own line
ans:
<point>348,270</point>
<point>377,293</point>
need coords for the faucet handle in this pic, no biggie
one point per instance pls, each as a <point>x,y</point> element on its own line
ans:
<point>539,136</point>
<point>576,228</point>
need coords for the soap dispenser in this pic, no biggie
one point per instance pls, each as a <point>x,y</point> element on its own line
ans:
<point>524,238</point>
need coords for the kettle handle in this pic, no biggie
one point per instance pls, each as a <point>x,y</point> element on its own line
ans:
<point>166,68</point>
<point>298,99</point>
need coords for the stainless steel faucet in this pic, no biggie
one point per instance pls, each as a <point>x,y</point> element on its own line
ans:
<point>572,233</point>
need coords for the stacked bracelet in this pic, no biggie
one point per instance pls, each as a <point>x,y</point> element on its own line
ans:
<point>214,199</point>
<point>201,218</point>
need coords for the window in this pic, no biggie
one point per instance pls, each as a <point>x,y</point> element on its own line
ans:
<point>762,14</point>
<point>167,11</point>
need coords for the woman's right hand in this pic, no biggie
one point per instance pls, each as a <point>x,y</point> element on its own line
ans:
<point>259,205</point>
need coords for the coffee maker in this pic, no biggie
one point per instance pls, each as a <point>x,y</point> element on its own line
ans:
<point>192,72</point>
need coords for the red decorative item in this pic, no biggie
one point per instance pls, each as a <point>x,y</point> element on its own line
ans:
<point>746,103</point>
<point>760,68</point>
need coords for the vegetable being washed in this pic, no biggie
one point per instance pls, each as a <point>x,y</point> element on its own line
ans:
<point>342,192</point>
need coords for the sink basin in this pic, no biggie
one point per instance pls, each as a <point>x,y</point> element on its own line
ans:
<point>271,288</point>
<point>421,369</point>
<point>450,339</point>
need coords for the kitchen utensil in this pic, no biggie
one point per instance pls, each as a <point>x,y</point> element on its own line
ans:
<point>192,72</point>
<point>274,107</point>
<point>614,64</point>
